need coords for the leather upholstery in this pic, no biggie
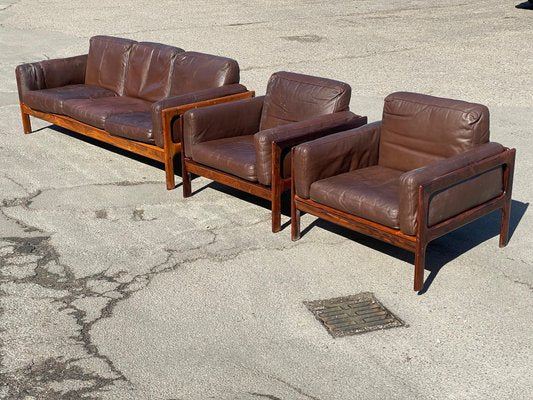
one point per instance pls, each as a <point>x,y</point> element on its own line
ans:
<point>450,202</point>
<point>49,74</point>
<point>419,129</point>
<point>316,126</point>
<point>198,71</point>
<point>107,61</point>
<point>235,155</point>
<point>135,126</point>
<point>183,99</point>
<point>95,111</point>
<point>51,100</point>
<point>294,97</point>
<point>221,121</point>
<point>370,193</point>
<point>335,154</point>
<point>148,70</point>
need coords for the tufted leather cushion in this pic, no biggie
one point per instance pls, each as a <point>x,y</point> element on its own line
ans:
<point>294,97</point>
<point>106,62</point>
<point>148,70</point>
<point>419,129</point>
<point>194,71</point>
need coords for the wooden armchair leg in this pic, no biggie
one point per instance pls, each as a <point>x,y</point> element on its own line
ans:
<point>26,124</point>
<point>504,223</point>
<point>186,178</point>
<point>420,264</point>
<point>295,222</point>
<point>276,208</point>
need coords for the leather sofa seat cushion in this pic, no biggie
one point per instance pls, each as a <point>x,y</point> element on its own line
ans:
<point>418,130</point>
<point>51,100</point>
<point>371,193</point>
<point>194,71</point>
<point>149,69</point>
<point>95,111</point>
<point>234,155</point>
<point>135,126</point>
<point>294,97</point>
<point>107,61</point>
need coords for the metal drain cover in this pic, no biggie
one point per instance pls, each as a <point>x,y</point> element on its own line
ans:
<point>350,315</point>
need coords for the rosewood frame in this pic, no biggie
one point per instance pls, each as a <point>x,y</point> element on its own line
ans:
<point>165,155</point>
<point>418,243</point>
<point>280,148</point>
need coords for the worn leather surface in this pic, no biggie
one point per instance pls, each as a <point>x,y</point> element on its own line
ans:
<point>107,61</point>
<point>95,111</point>
<point>420,129</point>
<point>311,128</point>
<point>50,74</point>
<point>292,97</point>
<point>135,126</point>
<point>183,99</point>
<point>452,201</point>
<point>234,155</point>
<point>149,70</point>
<point>334,155</point>
<point>198,71</point>
<point>51,100</point>
<point>370,193</point>
<point>238,118</point>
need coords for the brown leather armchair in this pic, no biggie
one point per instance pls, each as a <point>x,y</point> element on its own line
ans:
<point>246,144</point>
<point>426,169</point>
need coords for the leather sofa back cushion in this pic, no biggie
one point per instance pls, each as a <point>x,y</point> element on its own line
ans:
<point>198,71</point>
<point>418,129</point>
<point>106,62</point>
<point>148,70</point>
<point>294,97</point>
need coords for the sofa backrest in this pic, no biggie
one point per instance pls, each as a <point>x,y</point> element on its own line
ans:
<point>107,61</point>
<point>419,129</point>
<point>194,71</point>
<point>149,70</point>
<point>292,97</point>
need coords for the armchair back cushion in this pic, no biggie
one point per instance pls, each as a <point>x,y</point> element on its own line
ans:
<point>107,61</point>
<point>194,71</point>
<point>419,129</point>
<point>292,97</point>
<point>149,70</point>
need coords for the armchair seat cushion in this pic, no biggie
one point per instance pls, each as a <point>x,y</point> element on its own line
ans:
<point>135,126</point>
<point>234,155</point>
<point>51,100</point>
<point>371,193</point>
<point>95,111</point>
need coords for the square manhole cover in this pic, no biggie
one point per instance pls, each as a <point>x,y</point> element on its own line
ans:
<point>350,315</point>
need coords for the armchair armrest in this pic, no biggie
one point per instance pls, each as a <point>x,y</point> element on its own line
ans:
<point>166,110</point>
<point>335,154</point>
<point>277,142</point>
<point>221,121</point>
<point>50,74</point>
<point>454,185</point>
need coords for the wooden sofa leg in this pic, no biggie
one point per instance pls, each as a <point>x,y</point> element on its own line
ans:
<point>420,264</point>
<point>504,223</point>
<point>276,208</point>
<point>26,124</point>
<point>169,172</point>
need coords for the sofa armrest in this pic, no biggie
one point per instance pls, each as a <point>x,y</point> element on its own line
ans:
<point>50,74</point>
<point>221,121</point>
<point>166,110</point>
<point>280,139</point>
<point>335,154</point>
<point>453,185</point>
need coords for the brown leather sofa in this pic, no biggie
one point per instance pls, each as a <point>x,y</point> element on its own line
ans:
<point>127,93</point>
<point>426,169</point>
<point>246,144</point>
